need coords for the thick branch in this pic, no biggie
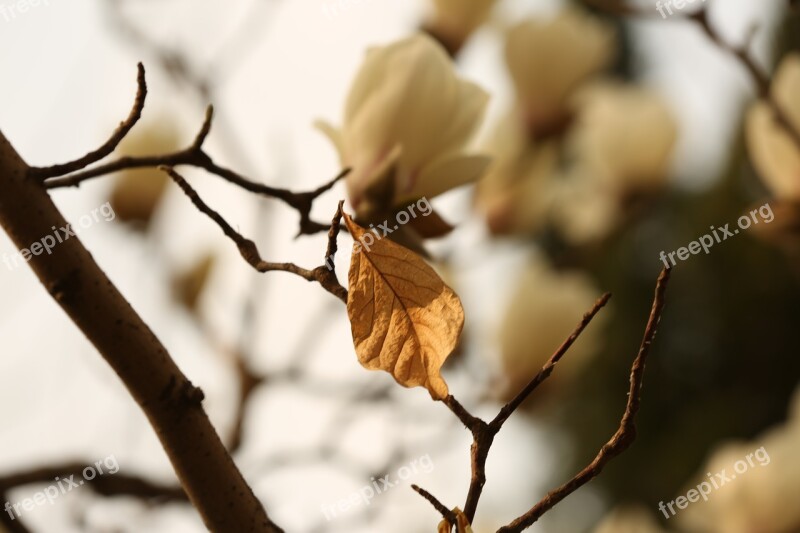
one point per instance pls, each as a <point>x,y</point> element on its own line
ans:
<point>171,403</point>
<point>622,438</point>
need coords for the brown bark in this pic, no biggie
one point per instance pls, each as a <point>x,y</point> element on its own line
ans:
<point>169,400</point>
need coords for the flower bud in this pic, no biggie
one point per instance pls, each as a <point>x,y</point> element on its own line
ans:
<point>549,59</point>
<point>775,153</point>
<point>407,121</point>
<point>455,20</point>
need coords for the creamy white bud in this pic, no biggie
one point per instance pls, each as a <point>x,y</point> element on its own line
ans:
<point>549,59</point>
<point>457,19</point>
<point>407,121</point>
<point>625,134</point>
<point>775,154</point>
<point>546,307</point>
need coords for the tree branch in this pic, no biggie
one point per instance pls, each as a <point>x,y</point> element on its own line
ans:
<point>117,484</point>
<point>43,173</point>
<point>548,368</point>
<point>249,251</point>
<point>74,173</point>
<point>446,513</point>
<point>169,400</point>
<point>622,438</point>
<point>741,53</point>
<point>483,433</point>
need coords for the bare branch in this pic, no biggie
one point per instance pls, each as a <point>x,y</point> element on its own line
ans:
<point>547,369</point>
<point>622,438</point>
<point>249,250</point>
<point>172,404</point>
<point>43,173</point>
<point>119,484</point>
<point>195,156</point>
<point>741,53</point>
<point>469,421</point>
<point>446,513</point>
<point>483,433</point>
<point>205,129</point>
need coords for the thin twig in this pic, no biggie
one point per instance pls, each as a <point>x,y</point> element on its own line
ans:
<point>547,369</point>
<point>205,129</point>
<point>333,241</point>
<point>469,421</point>
<point>249,250</point>
<point>762,80</point>
<point>74,173</point>
<point>483,433</point>
<point>43,173</point>
<point>446,513</point>
<point>741,53</point>
<point>622,438</point>
<point>119,484</point>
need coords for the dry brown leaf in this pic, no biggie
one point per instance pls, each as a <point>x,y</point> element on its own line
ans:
<point>404,319</point>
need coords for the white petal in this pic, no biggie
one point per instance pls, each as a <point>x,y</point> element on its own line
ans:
<point>445,174</point>
<point>334,135</point>
<point>548,59</point>
<point>626,133</point>
<point>459,18</point>
<point>786,88</point>
<point>408,95</point>
<point>364,181</point>
<point>774,153</point>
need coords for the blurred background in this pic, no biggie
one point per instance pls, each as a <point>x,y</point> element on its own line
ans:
<point>612,139</point>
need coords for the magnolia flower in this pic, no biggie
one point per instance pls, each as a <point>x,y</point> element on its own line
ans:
<point>407,121</point>
<point>775,154</point>
<point>756,500</point>
<point>545,309</point>
<point>457,19</point>
<point>618,144</point>
<point>549,59</point>
<point>625,134</point>
<point>584,210</point>
<point>515,194</point>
